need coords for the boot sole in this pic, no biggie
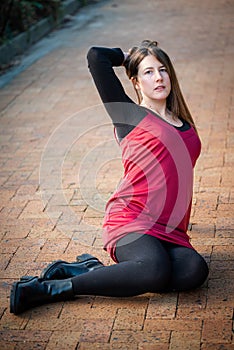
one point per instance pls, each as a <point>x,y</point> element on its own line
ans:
<point>13,297</point>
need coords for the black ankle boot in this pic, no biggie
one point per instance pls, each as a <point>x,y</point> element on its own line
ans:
<point>60,269</point>
<point>33,292</point>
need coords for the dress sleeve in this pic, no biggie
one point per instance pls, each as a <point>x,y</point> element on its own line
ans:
<point>124,112</point>
<point>101,61</point>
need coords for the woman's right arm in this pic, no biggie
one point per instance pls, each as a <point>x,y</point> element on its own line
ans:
<point>101,61</point>
<point>124,112</point>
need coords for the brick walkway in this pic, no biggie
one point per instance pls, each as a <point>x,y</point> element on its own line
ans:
<point>52,205</point>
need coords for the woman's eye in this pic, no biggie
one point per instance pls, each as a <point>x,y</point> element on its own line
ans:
<point>148,72</point>
<point>163,69</point>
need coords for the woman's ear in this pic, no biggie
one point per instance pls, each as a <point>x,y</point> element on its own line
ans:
<point>137,89</point>
<point>135,83</point>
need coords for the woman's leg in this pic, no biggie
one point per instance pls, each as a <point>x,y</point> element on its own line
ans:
<point>189,269</point>
<point>143,266</point>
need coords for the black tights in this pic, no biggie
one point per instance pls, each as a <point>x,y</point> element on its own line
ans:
<point>145,264</point>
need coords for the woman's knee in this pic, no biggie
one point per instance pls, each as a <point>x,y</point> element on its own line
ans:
<point>198,269</point>
<point>201,270</point>
<point>192,275</point>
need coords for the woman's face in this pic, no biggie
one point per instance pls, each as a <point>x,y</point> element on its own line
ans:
<point>153,80</point>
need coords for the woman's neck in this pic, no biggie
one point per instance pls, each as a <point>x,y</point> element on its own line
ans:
<point>157,107</point>
<point>162,111</point>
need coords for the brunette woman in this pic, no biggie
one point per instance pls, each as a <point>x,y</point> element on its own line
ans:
<point>146,219</point>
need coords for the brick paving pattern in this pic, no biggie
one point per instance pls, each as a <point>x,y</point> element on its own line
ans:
<point>58,165</point>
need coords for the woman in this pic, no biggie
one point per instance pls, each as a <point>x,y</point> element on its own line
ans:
<point>147,217</point>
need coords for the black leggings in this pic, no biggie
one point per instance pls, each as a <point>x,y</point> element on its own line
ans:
<point>145,264</point>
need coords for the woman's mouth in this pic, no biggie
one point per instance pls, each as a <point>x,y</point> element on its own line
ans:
<point>160,88</point>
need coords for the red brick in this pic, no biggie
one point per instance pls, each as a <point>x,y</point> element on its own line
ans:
<point>225,252</point>
<point>173,325</point>
<point>30,345</point>
<point>24,335</point>
<point>221,268</point>
<point>96,331</point>
<point>7,345</point>
<point>96,346</point>
<point>129,319</point>
<point>187,340</point>
<point>162,306</point>
<point>63,340</point>
<point>196,299</point>
<point>217,346</point>
<point>217,331</point>
<point>139,337</point>
<point>218,313</point>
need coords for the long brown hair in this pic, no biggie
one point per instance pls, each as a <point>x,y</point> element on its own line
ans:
<point>175,101</point>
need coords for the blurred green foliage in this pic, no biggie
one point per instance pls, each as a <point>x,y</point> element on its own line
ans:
<point>17,16</point>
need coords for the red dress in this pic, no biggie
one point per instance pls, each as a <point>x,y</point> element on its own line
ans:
<point>154,196</point>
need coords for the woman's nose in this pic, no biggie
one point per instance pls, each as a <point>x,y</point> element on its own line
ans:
<point>158,76</point>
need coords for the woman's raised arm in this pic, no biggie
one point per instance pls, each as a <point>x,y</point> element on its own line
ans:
<point>101,61</point>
